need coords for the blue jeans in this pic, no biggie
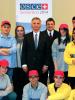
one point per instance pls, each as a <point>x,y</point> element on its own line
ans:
<point>10,96</point>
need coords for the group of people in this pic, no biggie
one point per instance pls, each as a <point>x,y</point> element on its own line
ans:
<point>38,55</point>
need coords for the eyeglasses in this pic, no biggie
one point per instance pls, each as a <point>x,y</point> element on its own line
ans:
<point>6,26</point>
<point>19,30</point>
<point>58,77</point>
<point>33,76</point>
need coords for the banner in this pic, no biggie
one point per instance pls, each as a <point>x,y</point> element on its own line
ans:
<point>27,9</point>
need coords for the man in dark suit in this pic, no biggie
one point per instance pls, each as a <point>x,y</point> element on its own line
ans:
<point>34,51</point>
<point>51,35</point>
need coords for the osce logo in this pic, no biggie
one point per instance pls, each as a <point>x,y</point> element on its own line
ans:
<point>24,6</point>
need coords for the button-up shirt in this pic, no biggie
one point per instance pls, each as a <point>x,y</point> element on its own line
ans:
<point>10,43</point>
<point>50,32</point>
<point>30,93</point>
<point>38,33</point>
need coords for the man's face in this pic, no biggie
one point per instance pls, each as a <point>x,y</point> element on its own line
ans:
<point>5,29</point>
<point>34,80</point>
<point>50,25</point>
<point>36,24</point>
<point>58,80</point>
<point>73,22</point>
<point>3,70</point>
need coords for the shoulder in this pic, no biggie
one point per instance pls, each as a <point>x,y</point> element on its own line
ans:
<point>11,37</point>
<point>66,86</point>
<point>45,31</point>
<point>69,44</point>
<point>42,86</point>
<point>27,87</point>
<point>51,85</point>
<point>56,31</point>
<point>6,77</point>
<point>56,41</point>
<point>28,34</point>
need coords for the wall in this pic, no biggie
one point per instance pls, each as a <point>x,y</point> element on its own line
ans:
<point>8,12</point>
<point>63,11</point>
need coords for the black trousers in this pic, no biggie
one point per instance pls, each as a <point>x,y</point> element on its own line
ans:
<point>51,74</point>
<point>43,78</point>
<point>20,79</point>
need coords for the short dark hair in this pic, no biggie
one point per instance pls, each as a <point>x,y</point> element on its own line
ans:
<point>73,18</point>
<point>50,19</point>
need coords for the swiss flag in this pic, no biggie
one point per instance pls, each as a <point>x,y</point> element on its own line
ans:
<point>45,6</point>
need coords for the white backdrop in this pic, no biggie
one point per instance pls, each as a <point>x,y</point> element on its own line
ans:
<point>27,9</point>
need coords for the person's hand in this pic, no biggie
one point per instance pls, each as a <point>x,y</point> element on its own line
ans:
<point>25,68</point>
<point>45,68</point>
<point>47,99</point>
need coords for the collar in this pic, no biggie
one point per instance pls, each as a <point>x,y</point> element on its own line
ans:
<point>36,32</point>
<point>63,37</point>
<point>34,87</point>
<point>2,36</point>
<point>52,32</point>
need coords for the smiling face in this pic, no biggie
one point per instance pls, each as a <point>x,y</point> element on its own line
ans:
<point>50,25</point>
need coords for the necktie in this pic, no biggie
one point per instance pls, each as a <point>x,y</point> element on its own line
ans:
<point>36,41</point>
<point>50,34</point>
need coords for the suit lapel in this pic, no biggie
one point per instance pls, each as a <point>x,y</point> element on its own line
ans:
<point>32,40</point>
<point>40,39</point>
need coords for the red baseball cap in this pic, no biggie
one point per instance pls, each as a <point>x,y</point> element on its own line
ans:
<point>4,63</point>
<point>5,22</point>
<point>33,73</point>
<point>59,73</point>
<point>62,26</point>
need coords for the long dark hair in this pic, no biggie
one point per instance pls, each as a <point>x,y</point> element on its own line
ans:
<point>16,31</point>
<point>67,39</point>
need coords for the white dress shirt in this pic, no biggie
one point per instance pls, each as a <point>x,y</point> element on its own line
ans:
<point>52,32</point>
<point>38,33</point>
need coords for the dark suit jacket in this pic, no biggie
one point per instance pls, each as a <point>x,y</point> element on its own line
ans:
<point>49,43</point>
<point>34,58</point>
